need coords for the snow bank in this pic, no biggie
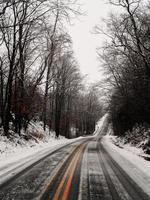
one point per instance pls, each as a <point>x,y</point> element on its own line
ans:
<point>137,140</point>
<point>134,165</point>
<point>27,148</point>
<point>17,153</point>
<point>135,149</point>
<point>11,151</point>
<point>35,138</point>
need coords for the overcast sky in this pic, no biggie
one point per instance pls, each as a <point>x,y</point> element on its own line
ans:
<point>84,42</point>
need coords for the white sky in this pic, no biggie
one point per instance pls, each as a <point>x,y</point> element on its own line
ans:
<point>84,42</point>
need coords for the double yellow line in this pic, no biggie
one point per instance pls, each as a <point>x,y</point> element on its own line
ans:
<point>63,188</point>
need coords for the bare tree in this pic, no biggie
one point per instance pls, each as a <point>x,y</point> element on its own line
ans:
<point>126,60</point>
<point>17,25</point>
<point>63,11</point>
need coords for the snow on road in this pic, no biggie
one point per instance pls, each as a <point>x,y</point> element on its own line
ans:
<point>16,158</point>
<point>18,155</point>
<point>136,167</point>
<point>99,124</point>
<point>14,162</point>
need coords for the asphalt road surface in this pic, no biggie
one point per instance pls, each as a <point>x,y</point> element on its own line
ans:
<point>83,170</point>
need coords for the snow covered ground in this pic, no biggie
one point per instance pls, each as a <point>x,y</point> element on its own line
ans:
<point>128,158</point>
<point>17,153</point>
<point>136,150</point>
<point>18,147</point>
<point>11,163</point>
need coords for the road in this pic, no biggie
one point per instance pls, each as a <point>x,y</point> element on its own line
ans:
<point>83,170</point>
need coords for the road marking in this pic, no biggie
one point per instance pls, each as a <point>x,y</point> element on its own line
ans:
<point>72,168</point>
<point>49,181</point>
<point>66,182</point>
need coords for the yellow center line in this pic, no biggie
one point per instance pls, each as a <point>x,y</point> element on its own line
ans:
<point>58,191</point>
<point>67,188</point>
<point>71,166</point>
<point>69,172</point>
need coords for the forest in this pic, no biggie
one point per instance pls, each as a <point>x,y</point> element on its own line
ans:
<point>39,75</point>
<point>126,62</point>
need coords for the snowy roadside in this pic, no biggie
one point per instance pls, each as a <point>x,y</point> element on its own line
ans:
<point>22,158</point>
<point>19,148</point>
<point>136,150</point>
<point>17,153</point>
<point>128,158</point>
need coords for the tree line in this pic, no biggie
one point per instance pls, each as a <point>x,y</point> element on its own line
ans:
<point>39,76</point>
<point>126,60</point>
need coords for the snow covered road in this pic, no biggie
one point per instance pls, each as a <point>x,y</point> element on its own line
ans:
<point>89,168</point>
<point>16,164</point>
<point>33,180</point>
<point>109,175</point>
<point>135,166</point>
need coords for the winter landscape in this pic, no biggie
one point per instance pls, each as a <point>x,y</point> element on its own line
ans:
<point>75,100</point>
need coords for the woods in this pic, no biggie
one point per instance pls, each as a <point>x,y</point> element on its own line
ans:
<point>74,100</point>
<point>126,59</point>
<point>39,76</point>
